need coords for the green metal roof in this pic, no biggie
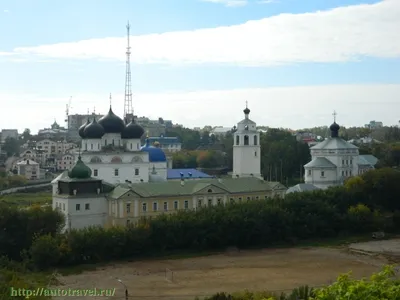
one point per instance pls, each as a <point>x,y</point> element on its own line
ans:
<point>190,187</point>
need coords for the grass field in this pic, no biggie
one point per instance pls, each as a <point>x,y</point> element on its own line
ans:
<point>27,199</point>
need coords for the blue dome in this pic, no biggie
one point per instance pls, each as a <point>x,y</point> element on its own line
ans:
<point>155,154</point>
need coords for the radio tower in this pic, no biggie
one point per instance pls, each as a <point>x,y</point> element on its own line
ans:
<point>128,109</point>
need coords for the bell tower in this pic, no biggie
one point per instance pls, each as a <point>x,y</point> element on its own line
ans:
<point>246,148</point>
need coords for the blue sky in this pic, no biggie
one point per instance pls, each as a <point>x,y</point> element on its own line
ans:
<point>197,62</point>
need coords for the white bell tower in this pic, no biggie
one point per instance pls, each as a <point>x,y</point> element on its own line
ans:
<point>246,149</point>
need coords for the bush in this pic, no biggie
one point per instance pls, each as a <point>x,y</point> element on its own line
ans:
<point>380,286</point>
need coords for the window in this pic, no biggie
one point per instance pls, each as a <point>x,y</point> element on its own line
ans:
<point>342,173</point>
<point>91,146</point>
<point>128,208</point>
<point>350,172</point>
<point>113,142</point>
<point>347,161</point>
<point>351,161</point>
<point>63,206</point>
<point>232,200</point>
<point>237,140</point>
<point>131,145</point>
<point>309,172</point>
<point>255,153</point>
<point>246,140</point>
<point>95,172</point>
<point>219,201</point>
<point>155,206</point>
<point>255,140</point>
<point>257,197</point>
<point>128,222</point>
<point>322,173</point>
<point>342,161</point>
<point>186,204</point>
<point>209,202</point>
<point>144,207</point>
<point>78,207</point>
<point>87,206</point>
<point>176,205</point>
<point>136,172</point>
<point>248,198</point>
<point>346,172</point>
<point>209,191</point>
<point>116,172</point>
<point>165,206</point>
<point>199,202</point>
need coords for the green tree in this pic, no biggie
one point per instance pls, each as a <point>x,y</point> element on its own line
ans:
<point>45,251</point>
<point>11,146</point>
<point>380,286</point>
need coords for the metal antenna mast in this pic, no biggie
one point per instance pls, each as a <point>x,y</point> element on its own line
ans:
<point>128,108</point>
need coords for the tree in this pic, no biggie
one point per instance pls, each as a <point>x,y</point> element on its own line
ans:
<point>11,146</point>
<point>45,252</point>
<point>380,286</point>
<point>26,135</point>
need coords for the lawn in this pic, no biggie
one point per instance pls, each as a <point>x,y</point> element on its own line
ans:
<point>27,199</point>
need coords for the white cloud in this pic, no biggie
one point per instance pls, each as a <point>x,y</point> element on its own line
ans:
<point>337,35</point>
<point>229,3</point>
<point>294,107</point>
<point>6,11</point>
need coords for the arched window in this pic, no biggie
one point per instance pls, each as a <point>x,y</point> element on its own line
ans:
<point>116,160</point>
<point>255,140</point>
<point>95,159</point>
<point>237,140</point>
<point>246,140</point>
<point>209,191</point>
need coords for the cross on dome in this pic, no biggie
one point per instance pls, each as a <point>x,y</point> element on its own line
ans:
<point>334,116</point>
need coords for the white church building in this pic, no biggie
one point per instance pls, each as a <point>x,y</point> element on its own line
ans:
<point>116,181</point>
<point>334,160</point>
<point>246,148</point>
<point>112,149</point>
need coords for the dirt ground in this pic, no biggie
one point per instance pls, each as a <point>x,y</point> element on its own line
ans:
<point>274,270</point>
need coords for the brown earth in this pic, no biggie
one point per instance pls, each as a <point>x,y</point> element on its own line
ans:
<point>270,269</point>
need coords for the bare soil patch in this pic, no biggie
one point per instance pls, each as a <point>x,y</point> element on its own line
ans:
<point>270,269</point>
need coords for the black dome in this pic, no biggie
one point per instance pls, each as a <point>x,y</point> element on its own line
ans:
<point>334,129</point>
<point>94,130</point>
<point>112,123</point>
<point>82,129</point>
<point>246,111</point>
<point>132,131</point>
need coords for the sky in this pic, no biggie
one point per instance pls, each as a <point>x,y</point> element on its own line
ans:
<point>197,62</point>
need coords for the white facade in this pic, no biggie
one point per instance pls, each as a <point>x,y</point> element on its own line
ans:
<point>82,212</point>
<point>29,168</point>
<point>118,167</point>
<point>333,161</point>
<point>246,149</point>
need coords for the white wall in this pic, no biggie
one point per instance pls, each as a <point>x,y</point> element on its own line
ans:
<point>132,144</point>
<point>246,158</point>
<point>96,215</point>
<point>126,169</point>
<point>315,178</point>
<point>108,139</point>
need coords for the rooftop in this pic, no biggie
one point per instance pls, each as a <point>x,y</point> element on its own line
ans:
<point>187,174</point>
<point>190,187</point>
